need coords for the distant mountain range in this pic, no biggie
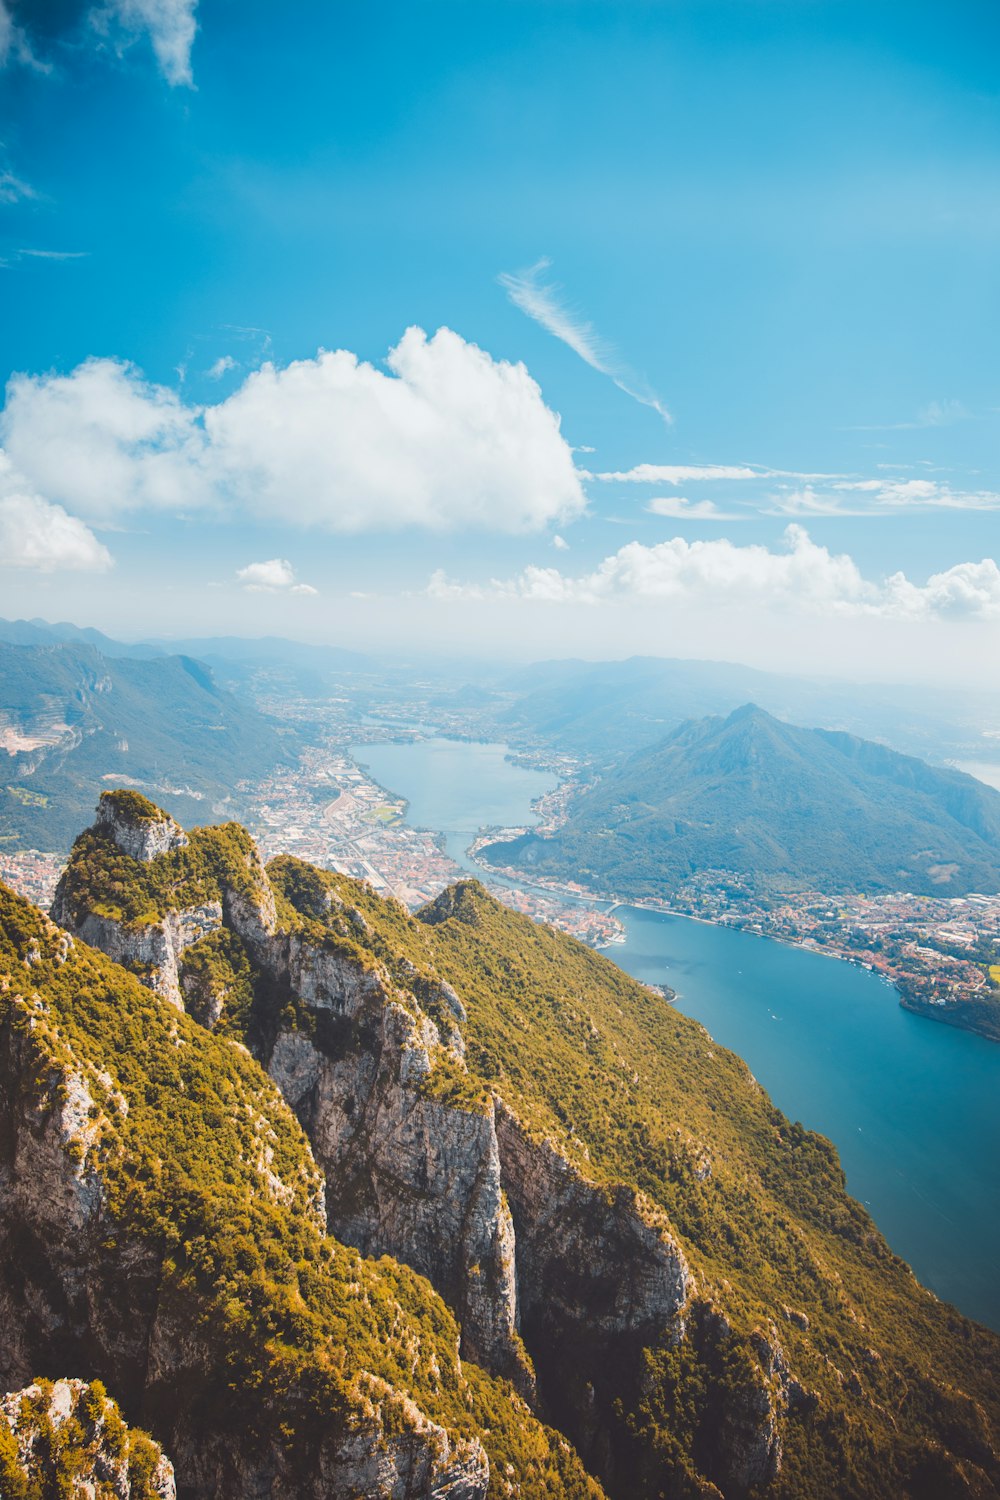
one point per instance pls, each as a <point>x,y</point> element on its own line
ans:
<point>73,720</point>
<point>797,808</point>
<point>605,710</point>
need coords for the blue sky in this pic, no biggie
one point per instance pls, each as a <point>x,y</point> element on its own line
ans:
<point>747,250</point>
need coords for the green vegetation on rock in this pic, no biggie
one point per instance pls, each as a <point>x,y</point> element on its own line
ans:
<point>103,880</point>
<point>203,1164</point>
<point>894,1383</point>
<point>806,1364</point>
<point>68,1441</point>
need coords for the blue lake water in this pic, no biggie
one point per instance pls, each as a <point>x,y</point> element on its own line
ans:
<point>913,1106</point>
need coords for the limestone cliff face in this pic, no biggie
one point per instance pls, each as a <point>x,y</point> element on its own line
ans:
<point>78,1292</point>
<point>407,1175</point>
<point>150,950</point>
<point>141,832</point>
<point>559,1283</point>
<point>69,1438</point>
<point>503,1227</point>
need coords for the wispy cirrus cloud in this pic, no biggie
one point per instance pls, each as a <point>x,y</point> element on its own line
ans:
<point>679,473</point>
<point>14,43</point>
<point>170,26</point>
<point>14,189</point>
<point>934,414</point>
<point>543,302</point>
<point>763,490</point>
<point>880,497</point>
<point>53,254</point>
<point>680,508</point>
<point>221,367</point>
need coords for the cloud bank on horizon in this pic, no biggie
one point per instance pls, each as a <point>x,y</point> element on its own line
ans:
<point>804,577</point>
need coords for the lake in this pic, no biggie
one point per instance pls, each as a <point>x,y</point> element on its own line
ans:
<point>913,1106</point>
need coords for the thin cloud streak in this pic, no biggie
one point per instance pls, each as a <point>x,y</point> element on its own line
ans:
<point>541,302</point>
<point>55,254</point>
<point>13,189</point>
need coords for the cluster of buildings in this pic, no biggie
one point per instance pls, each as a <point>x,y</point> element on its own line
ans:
<point>32,875</point>
<point>936,950</point>
<point>330,812</point>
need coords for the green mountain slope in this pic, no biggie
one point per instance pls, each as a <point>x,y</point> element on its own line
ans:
<point>795,808</point>
<point>161,1229</point>
<point>700,1306</point>
<point>71,718</point>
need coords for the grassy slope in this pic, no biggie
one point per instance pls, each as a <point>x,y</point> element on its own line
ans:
<point>635,1092</point>
<point>294,1319</point>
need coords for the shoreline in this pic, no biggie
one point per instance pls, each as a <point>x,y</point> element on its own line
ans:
<point>518,880</point>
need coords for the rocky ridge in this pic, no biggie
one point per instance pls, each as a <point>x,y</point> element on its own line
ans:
<point>162,1228</point>
<point>576,1285</point>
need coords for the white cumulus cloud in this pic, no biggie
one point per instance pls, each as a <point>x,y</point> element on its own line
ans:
<point>446,438</point>
<point>103,441</point>
<point>450,437</point>
<point>802,576</point>
<point>36,534</point>
<point>272,577</point>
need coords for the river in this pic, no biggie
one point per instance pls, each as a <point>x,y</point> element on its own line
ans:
<point>913,1106</point>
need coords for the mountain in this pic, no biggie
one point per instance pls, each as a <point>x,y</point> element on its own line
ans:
<point>795,808</point>
<point>72,719</point>
<point>163,1230</point>
<point>621,1231</point>
<point>604,710</point>
<point>41,633</point>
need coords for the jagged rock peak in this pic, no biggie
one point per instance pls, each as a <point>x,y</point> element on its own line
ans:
<point>139,828</point>
<point>466,901</point>
<point>68,1438</point>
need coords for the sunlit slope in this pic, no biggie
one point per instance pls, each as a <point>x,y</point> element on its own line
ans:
<point>163,1230</point>
<point>705,1308</point>
<point>632,1092</point>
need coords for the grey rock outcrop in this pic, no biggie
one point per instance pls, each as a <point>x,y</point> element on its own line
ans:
<point>150,950</point>
<point>77,1290</point>
<point>140,836</point>
<point>408,1175</point>
<point>43,1414</point>
<point>559,1283</point>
